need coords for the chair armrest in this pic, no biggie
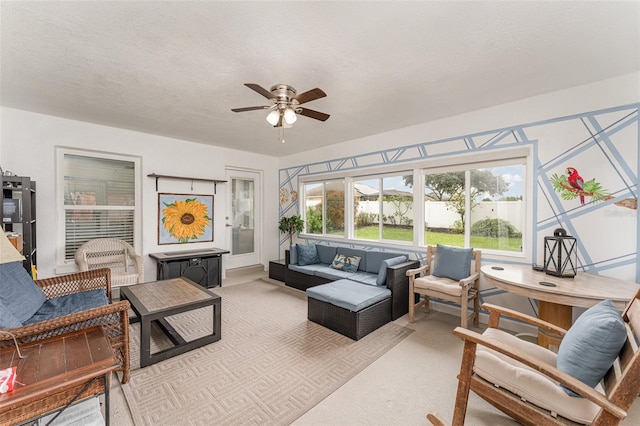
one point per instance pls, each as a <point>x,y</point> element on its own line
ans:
<point>397,274</point>
<point>496,311</point>
<point>113,318</point>
<point>546,369</point>
<point>139,266</point>
<point>413,272</point>
<point>75,283</point>
<point>469,280</point>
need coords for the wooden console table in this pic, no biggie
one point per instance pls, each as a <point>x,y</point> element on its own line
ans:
<point>56,371</point>
<point>557,297</point>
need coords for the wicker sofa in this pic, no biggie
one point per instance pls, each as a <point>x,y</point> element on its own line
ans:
<point>352,303</point>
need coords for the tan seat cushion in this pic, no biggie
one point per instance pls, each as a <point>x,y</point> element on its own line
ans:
<point>528,383</point>
<point>444,285</point>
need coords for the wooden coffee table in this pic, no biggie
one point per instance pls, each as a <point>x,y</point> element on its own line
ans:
<point>155,301</point>
<point>55,372</point>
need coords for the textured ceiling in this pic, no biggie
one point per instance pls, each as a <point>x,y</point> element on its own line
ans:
<point>177,68</point>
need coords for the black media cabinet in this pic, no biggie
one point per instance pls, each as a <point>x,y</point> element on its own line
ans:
<point>203,267</point>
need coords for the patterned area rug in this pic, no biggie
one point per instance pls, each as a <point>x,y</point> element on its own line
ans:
<point>270,367</point>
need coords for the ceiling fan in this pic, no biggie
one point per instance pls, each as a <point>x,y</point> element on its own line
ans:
<point>286,104</point>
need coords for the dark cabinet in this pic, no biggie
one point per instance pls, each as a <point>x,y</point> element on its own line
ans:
<point>19,216</point>
<point>203,267</point>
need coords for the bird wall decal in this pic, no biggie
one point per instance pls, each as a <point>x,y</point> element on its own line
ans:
<point>576,181</point>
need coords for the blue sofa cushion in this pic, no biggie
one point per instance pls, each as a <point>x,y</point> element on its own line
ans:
<point>308,269</point>
<point>364,278</point>
<point>592,344</point>
<point>7,319</point>
<point>382,273</point>
<point>375,258</point>
<point>332,274</point>
<point>18,292</point>
<point>362,254</point>
<point>69,304</point>
<point>293,255</point>
<point>349,294</point>
<point>307,254</point>
<point>453,262</point>
<point>326,253</point>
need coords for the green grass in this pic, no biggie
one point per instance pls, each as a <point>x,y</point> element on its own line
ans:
<point>433,238</point>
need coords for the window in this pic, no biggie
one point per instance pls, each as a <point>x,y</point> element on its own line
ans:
<point>324,208</point>
<point>465,201</point>
<point>384,208</point>
<point>480,207</point>
<point>98,195</point>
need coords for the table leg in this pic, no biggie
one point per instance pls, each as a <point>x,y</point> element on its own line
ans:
<point>107,387</point>
<point>554,313</point>
<point>145,342</point>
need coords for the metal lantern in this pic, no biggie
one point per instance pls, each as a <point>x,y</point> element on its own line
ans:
<point>561,254</point>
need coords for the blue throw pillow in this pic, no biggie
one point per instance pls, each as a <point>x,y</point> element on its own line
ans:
<point>382,273</point>
<point>453,262</point>
<point>18,292</point>
<point>307,254</point>
<point>592,344</point>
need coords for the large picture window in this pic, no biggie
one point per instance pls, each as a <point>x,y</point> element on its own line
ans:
<point>478,203</point>
<point>98,197</point>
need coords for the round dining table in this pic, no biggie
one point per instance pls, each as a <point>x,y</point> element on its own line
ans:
<point>558,295</point>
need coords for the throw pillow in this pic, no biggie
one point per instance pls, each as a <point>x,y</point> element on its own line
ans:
<point>346,262</point>
<point>307,254</point>
<point>382,273</point>
<point>453,262</point>
<point>592,344</point>
<point>18,292</point>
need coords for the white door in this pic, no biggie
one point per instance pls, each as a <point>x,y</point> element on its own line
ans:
<point>243,217</point>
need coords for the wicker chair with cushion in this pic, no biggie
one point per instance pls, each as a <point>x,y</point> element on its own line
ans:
<point>34,310</point>
<point>450,273</point>
<point>118,255</point>
<point>593,379</point>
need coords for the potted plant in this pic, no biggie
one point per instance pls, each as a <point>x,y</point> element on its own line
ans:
<point>290,225</point>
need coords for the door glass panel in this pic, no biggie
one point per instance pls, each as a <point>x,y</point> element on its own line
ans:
<point>243,211</point>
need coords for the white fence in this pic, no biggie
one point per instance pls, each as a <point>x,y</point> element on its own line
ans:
<point>437,215</point>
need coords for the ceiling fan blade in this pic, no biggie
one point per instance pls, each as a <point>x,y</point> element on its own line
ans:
<point>309,95</point>
<point>313,114</point>
<point>253,108</point>
<point>264,92</point>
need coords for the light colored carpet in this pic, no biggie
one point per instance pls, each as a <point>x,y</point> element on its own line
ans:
<point>270,367</point>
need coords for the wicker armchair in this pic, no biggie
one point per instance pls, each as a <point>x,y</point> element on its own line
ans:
<point>113,318</point>
<point>118,255</point>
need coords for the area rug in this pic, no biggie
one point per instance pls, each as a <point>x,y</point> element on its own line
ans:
<point>271,366</point>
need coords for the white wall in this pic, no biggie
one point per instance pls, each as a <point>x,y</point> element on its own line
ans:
<point>607,93</point>
<point>27,148</point>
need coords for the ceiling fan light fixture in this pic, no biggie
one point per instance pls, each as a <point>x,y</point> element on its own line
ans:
<point>273,117</point>
<point>290,116</point>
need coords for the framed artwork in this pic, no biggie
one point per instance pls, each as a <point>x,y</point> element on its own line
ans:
<point>185,218</point>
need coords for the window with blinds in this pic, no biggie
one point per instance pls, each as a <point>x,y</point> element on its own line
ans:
<point>99,199</point>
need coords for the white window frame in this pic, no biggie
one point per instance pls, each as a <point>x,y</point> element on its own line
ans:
<point>64,266</point>
<point>491,157</point>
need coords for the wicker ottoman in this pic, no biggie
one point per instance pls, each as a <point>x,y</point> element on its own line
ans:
<point>373,306</point>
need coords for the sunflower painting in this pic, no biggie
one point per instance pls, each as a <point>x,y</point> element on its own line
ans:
<point>185,218</point>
